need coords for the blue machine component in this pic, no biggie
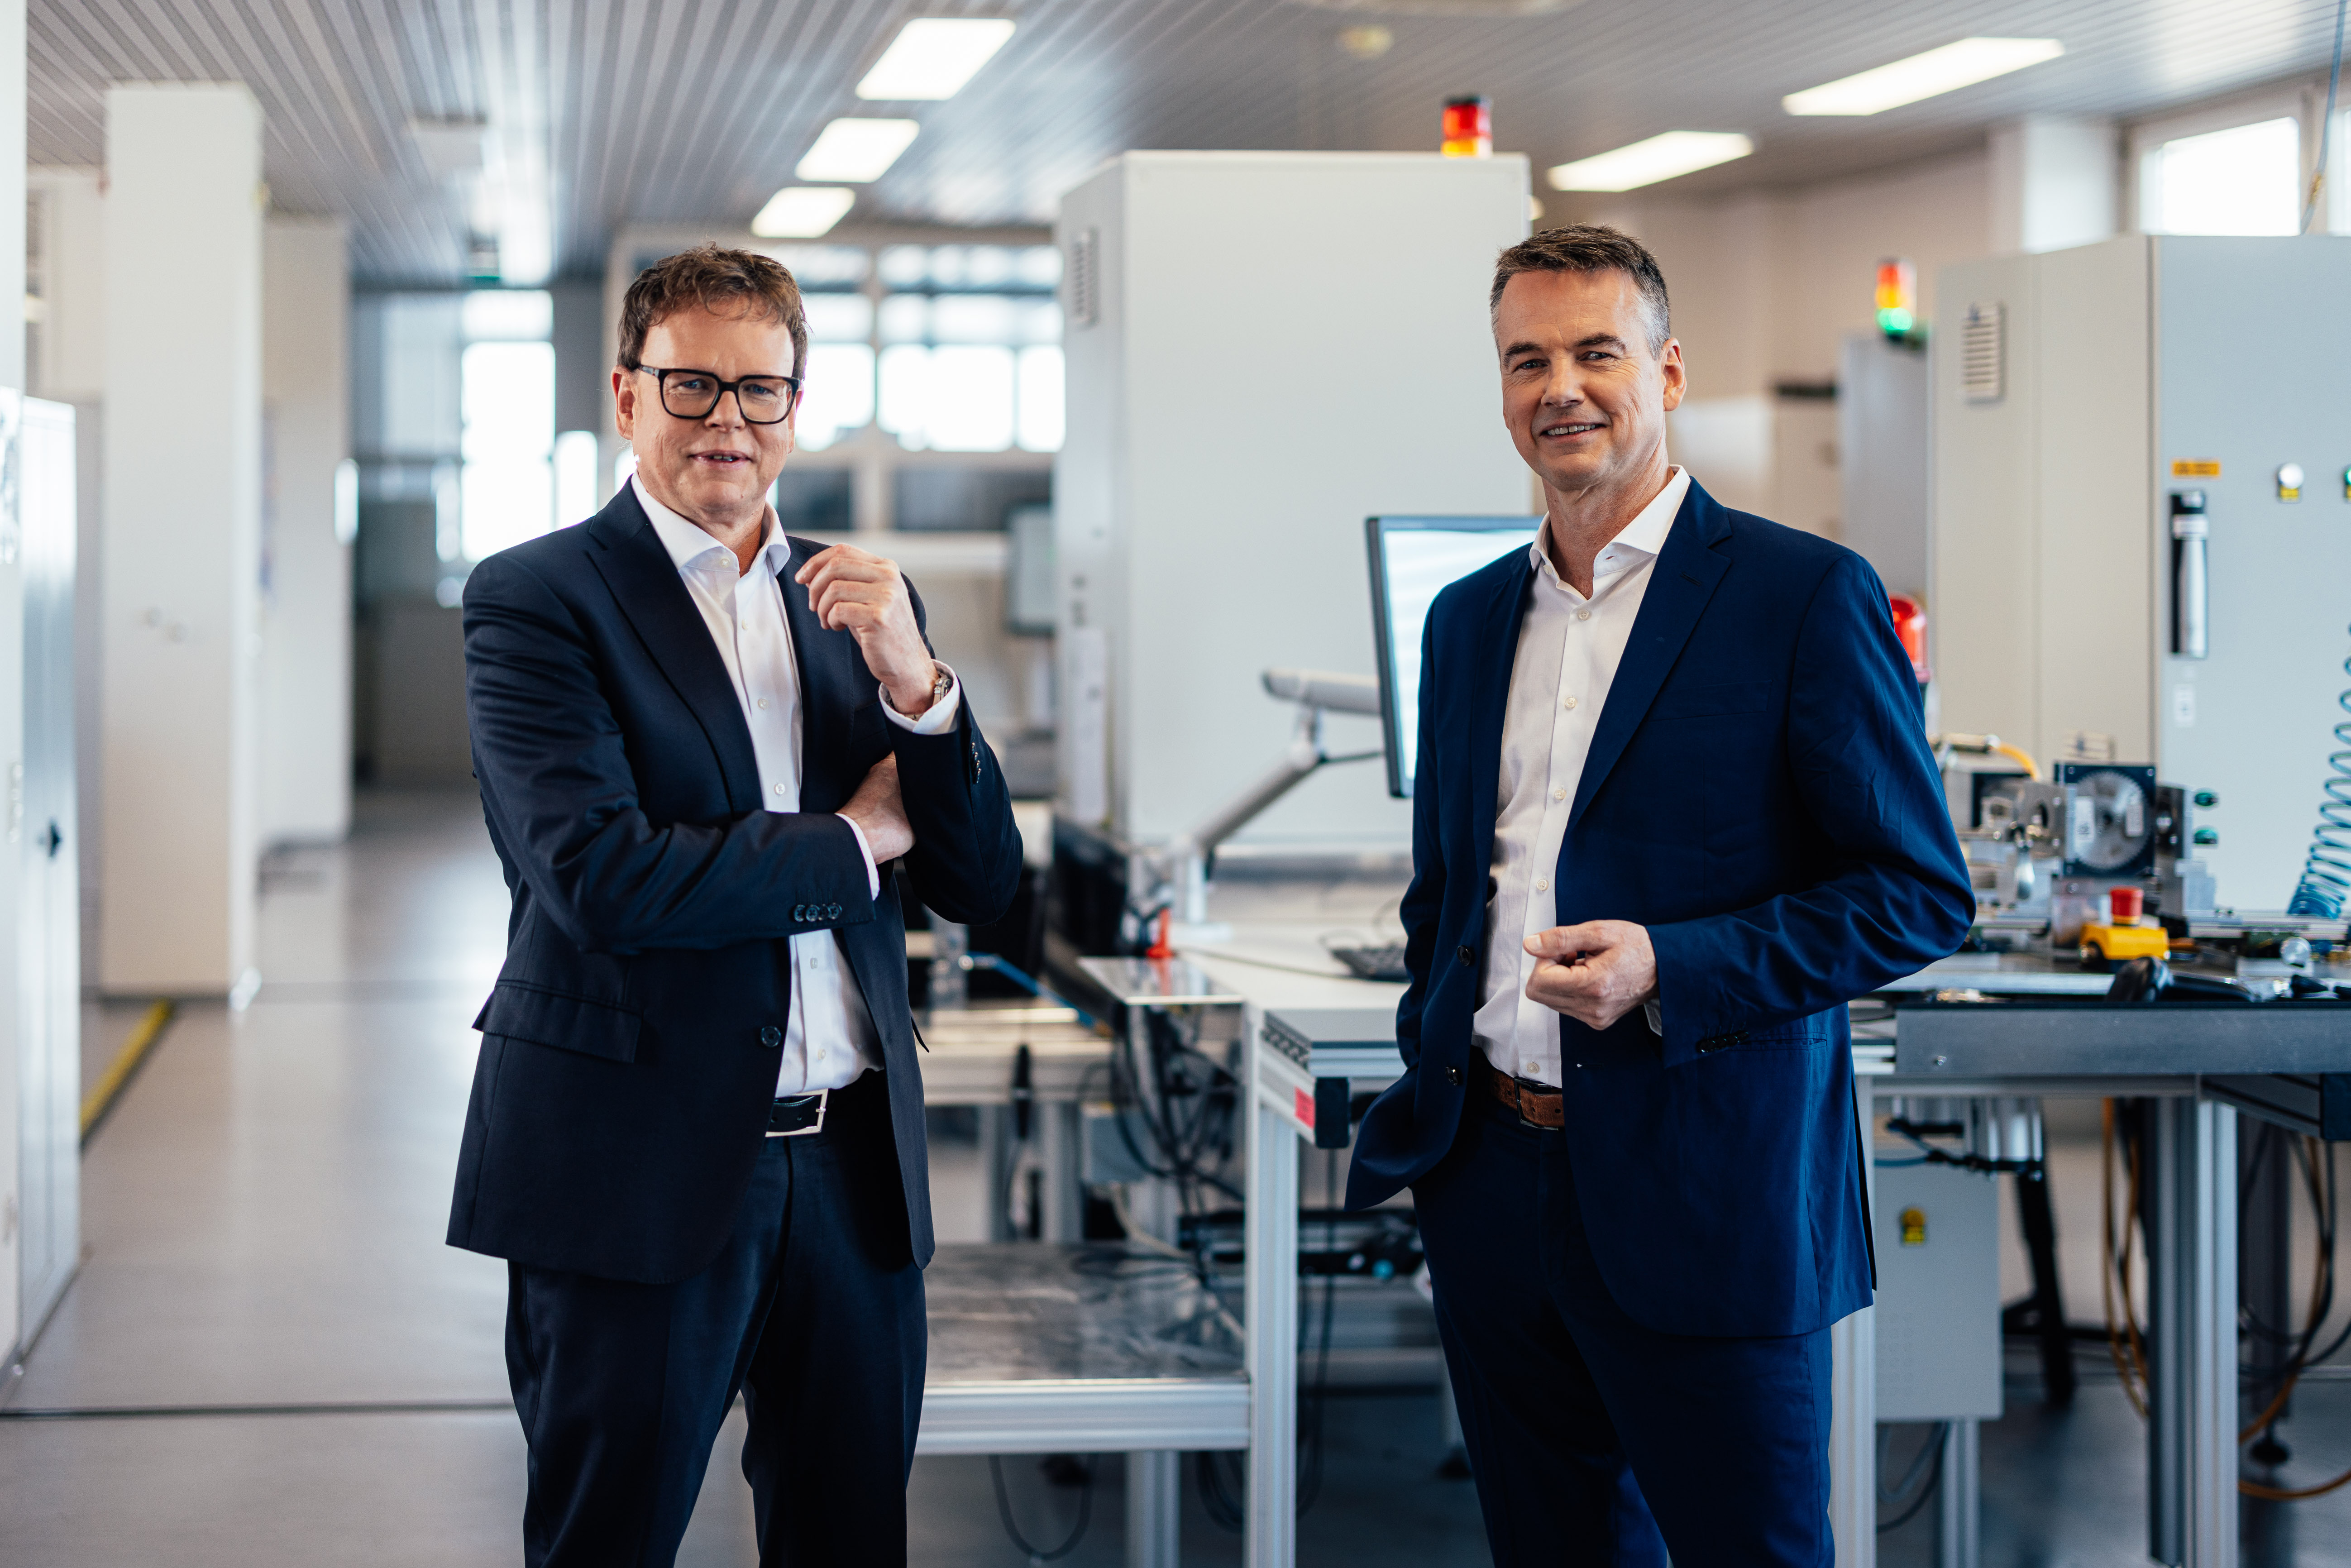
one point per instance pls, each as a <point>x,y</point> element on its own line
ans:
<point>2327,874</point>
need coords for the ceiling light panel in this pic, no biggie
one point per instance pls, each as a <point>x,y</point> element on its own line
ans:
<point>802,212</point>
<point>1645,162</point>
<point>933,56</point>
<point>1946,69</point>
<point>852,151</point>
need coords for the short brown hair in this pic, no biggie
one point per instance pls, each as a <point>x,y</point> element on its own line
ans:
<point>1591,248</point>
<point>727,282</point>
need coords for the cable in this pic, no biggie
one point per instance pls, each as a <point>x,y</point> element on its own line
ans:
<point>2326,873</point>
<point>2325,125</point>
<point>1004,1513</point>
<point>1932,1454</point>
<point>2132,1372</point>
<point>1310,1469</point>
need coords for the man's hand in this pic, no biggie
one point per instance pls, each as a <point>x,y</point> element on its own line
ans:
<point>865,596</point>
<point>1595,973</point>
<point>880,815</point>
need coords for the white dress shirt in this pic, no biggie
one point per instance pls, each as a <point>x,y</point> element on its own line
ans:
<point>1569,648</point>
<point>830,1038</point>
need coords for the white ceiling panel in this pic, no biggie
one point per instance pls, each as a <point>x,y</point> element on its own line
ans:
<point>683,112</point>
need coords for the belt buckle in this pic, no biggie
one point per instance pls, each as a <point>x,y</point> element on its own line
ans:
<point>823,1103</point>
<point>1520,1089</point>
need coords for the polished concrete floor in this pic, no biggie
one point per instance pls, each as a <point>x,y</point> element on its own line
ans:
<point>270,1359</point>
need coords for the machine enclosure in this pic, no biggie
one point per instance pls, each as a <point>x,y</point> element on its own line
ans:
<point>1937,1294</point>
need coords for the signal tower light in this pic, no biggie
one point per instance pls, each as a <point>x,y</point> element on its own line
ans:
<point>1897,298</point>
<point>1469,128</point>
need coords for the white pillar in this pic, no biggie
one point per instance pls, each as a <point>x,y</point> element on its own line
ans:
<point>2056,181</point>
<point>12,668</point>
<point>305,601</point>
<point>180,542</point>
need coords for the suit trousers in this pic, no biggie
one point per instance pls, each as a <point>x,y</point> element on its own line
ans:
<point>1595,1440</point>
<point>812,1312</point>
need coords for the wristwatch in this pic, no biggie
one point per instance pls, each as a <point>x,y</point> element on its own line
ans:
<point>942,682</point>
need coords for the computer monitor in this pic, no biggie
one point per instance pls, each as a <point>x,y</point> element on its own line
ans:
<point>1413,558</point>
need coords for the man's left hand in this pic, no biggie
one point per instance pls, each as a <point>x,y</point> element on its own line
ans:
<point>866,597</point>
<point>1595,973</point>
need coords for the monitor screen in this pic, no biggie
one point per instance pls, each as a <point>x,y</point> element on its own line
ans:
<point>1413,558</point>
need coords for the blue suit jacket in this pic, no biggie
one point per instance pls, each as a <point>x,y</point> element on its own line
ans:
<point>1758,794</point>
<point>630,1050</point>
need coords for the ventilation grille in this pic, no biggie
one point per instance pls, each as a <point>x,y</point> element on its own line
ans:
<point>1081,284</point>
<point>1983,354</point>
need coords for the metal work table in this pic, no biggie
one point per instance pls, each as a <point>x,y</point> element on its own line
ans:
<point>1044,1349</point>
<point>969,1060</point>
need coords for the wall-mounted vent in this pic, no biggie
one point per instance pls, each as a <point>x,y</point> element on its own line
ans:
<point>1082,279</point>
<point>1983,353</point>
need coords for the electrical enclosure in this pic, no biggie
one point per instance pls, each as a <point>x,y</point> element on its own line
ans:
<point>1937,1293</point>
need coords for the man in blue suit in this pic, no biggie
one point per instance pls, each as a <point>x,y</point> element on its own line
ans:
<point>1674,811</point>
<point>696,1127</point>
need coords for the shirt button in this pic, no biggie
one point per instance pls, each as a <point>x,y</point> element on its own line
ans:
<point>780,789</point>
<point>1542,884</point>
<point>763,703</point>
<point>1567,702</point>
<point>1584,615</point>
<point>1559,794</point>
<point>1529,1066</point>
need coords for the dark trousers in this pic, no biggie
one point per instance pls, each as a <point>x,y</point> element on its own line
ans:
<point>1594,1439</point>
<point>813,1312</point>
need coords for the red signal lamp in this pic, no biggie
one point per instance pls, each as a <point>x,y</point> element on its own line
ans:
<point>1469,128</point>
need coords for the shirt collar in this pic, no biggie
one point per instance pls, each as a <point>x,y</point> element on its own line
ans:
<point>690,548</point>
<point>1641,540</point>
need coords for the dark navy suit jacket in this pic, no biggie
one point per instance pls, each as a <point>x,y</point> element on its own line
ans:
<point>630,1050</point>
<point>1759,795</point>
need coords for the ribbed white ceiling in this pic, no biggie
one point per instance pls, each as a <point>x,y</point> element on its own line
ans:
<point>685,111</point>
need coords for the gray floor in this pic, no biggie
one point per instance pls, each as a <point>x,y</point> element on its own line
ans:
<point>264,1211</point>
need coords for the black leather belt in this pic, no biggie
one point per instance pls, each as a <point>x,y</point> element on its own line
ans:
<point>797,1115</point>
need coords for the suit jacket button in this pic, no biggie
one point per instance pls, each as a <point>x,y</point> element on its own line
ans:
<point>1469,955</point>
<point>833,911</point>
<point>771,1037</point>
<point>800,912</point>
<point>1453,1075</point>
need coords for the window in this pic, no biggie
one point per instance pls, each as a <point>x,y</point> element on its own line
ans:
<point>506,480</point>
<point>2244,180</point>
<point>970,348</point>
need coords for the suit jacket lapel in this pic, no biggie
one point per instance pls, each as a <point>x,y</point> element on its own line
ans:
<point>831,681</point>
<point>1490,690</point>
<point>645,582</point>
<point>1683,580</point>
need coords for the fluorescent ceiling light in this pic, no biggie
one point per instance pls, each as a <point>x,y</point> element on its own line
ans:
<point>1646,163</point>
<point>1954,65</point>
<point>853,151</point>
<point>802,212</point>
<point>934,57</point>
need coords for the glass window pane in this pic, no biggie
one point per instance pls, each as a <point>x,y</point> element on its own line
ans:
<point>575,478</point>
<point>970,398</point>
<point>1040,321</point>
<point>505,502</point>
<point>905,265</point>
<point>838,396</point>
<point>972,319</point>
<point>905,388</point>
<point>2241,181</point>
<point>906,318</point>
<point>838,318</point>
<point>1041,400</point>
<point>824,266</point>
<point>508,401</point>
<point>1040,266</point>
<point>493,315</point>
<point>987,266</point>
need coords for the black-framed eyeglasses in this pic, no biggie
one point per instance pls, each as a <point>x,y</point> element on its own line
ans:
<point>692,395</point>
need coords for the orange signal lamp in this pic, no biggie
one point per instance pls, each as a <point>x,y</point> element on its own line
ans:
<point>1469,128</point>
<point>1897,298</point>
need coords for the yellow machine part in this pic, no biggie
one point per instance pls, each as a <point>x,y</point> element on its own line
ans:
<point>2117,943</point>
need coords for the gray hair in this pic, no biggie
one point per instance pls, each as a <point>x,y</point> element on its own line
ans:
<point>1590,247</point>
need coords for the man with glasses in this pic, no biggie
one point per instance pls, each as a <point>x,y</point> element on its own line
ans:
<point>696,1127</point>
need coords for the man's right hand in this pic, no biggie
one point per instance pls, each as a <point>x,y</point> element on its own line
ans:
<point>880,815</point>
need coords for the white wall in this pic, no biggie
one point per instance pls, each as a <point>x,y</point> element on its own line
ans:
<point>181,538</point>
<point>306,607</point>
<point>12,375</point>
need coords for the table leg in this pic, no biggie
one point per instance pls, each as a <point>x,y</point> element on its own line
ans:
<point>1153,1510</point>
<point>1272,1241</point>
<point>2192,1283</point>
<point>1958,1502</point>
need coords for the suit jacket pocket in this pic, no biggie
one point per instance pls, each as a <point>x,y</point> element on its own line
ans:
<point>1712,702</point>
<point>566,1022</point>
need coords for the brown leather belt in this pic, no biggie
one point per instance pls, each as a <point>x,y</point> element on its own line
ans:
<point>1536,1106</point>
